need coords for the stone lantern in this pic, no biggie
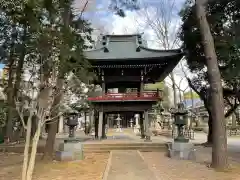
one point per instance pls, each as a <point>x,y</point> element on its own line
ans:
<point>72,148</point>
<point>181,148</point>
<point>180,120</point>
<point>118,119</point>
<point>72,122</point>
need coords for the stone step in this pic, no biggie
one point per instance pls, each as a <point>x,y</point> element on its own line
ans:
<point>146,144</point>
<point>101,150</point>
<point>122,147</point>
<point>100,147</point>
<point>110,147</point>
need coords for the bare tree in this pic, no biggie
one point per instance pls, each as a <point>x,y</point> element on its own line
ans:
<point>36,103</point>
<point>219,149</point>
<point>161,19</point>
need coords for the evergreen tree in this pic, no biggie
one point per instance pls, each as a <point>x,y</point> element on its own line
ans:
<point>226,44</point>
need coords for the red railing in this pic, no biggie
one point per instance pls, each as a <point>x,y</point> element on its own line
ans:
<point>127,96</point>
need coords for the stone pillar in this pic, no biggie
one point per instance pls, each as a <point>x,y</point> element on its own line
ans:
<point>137,120</point>
<point>60,124</point>
<point>147,129</point>
<point>100,124</point>
<point>142,126</point>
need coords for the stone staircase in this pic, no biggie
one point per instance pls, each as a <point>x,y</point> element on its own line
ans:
<point>107,147</point>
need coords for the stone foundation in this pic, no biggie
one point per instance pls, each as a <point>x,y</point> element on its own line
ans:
<point>180,150</point>
<point>70,151</point>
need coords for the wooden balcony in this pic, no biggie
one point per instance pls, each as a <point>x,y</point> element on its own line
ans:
<point>145,96</point>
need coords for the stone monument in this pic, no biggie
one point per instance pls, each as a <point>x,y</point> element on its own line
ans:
<point>136,128</point>
<point>131,123</point>
<point>71,149</point>
<point>181,148</point>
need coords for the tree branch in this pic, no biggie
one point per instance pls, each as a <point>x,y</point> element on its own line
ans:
<point>83,9</point>
<point>232,107</point>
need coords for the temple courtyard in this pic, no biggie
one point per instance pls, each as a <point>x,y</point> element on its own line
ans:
<point>126,164</point>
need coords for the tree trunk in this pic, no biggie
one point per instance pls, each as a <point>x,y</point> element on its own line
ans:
<point>10,108</point>
<point>49,146</point>
<point>34,126</point>
<point>20,65</point>
<point>174,89</point>
<point>219,149</point>
<point>15,90</point>
<point>180,96</point>
<point>10,98</point>
<point>210,130</point>
<point>234,120</point>
<point>32,159</point>
<point>53,125</point>
<point>26,148</point>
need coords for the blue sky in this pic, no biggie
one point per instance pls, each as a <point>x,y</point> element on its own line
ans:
<point>107,22</point>
<point>103,11</point>
<point>2,66</point>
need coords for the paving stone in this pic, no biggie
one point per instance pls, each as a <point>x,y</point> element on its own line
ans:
<point>128,165</point>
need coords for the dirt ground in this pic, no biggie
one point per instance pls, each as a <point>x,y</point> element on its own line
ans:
<point>91,168</point>
<point>170,169</point>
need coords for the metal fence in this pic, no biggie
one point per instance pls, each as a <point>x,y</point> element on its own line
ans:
<point>188,133</point>
<point>233,132</point>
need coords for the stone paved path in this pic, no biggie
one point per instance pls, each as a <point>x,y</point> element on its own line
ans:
<point>128,165</point>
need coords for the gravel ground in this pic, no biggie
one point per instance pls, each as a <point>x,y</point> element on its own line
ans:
<point>91,168</point>
<point>170,169</point>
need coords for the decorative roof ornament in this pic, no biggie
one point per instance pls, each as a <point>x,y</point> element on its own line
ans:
<point>138,42</point>
<point>105,50</point>
<point>138,49</point>
<point>105,41</point>
<point>139,39</point>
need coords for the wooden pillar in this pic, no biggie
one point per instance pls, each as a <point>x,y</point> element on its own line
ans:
<point>91,117</point>
<point>103,88</point>
<point>100,124</point>
<point>85,122</point>
<point>103,84</point>
<point>103,126</point>
<point>142,83</point>
<point>96,118</point>
<point>108,121</point>
<point>147,126</point>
